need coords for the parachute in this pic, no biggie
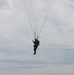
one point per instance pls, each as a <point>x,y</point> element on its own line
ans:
<point>38,12</point>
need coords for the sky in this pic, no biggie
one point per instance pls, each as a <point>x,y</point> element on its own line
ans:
<point>55,55</point>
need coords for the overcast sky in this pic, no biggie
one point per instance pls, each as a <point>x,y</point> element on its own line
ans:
<point>55,55</point>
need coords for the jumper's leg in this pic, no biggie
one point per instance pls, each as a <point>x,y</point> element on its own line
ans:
<point>35,50</point>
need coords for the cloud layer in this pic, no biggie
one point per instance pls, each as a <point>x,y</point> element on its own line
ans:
<point>57,39</point>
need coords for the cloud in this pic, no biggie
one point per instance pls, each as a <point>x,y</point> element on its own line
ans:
<point>61,24</point>
<point>35,70</point>
<point>56,40</point>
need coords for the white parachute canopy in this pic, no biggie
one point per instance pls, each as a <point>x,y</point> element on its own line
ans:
<point>38,12</point>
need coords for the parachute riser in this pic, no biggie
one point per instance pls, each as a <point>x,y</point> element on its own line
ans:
<point>36,36</point>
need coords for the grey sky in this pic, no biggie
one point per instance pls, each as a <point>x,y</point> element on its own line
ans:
<point>56,51</point>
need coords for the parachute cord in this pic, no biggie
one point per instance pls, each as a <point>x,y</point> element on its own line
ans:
<point>35,35</point>
<point>45,19</point>
<point>29,18</point>
<point>42,27</point>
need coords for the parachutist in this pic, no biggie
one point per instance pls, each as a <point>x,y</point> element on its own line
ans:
<point>36,44</point>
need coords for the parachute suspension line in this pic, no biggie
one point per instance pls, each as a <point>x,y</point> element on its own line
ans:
<point>28,17</point>
<point>45,19</point>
